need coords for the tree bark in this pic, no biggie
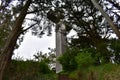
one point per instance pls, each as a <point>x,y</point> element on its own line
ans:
<point>114,28</point>
<point>7,52</point>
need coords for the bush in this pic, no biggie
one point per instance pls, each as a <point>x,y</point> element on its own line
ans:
<point>74,58</point>
<point>68,60</point>
<point>43,68</point>
<point>28,70</point>
<point>84,59</point>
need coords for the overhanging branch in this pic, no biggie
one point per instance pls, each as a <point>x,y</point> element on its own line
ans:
<point>28,28</point>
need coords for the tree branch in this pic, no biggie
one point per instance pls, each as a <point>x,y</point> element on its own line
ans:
<point>28,28</point>
<point>112,25</point>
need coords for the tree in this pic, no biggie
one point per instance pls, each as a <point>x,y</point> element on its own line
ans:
<point>7,51</point>
<point>81,16</point>
<point>17,29</point>
<point>91,30</point>
<point>114,27</point>
<point>5,21</point>
<point>91,27</point>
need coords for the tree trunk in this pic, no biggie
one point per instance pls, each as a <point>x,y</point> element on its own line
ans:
<point>7,52</point>
<point>114,28</point>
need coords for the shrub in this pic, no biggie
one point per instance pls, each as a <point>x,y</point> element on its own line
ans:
<point>68,60</point>
<point>28,70</point>
<point>43,68</point>
<point>84,59</point>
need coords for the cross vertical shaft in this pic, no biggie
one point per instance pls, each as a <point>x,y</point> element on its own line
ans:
<point>60,43</point>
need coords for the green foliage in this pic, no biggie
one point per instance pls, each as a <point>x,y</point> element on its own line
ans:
<point>102,72</point>
<point>73,59</point>
<point>114,46</point>
<point>28,70</point>
<point>84,59</point>
<point>114,74</point>
<point>68,60</point>
<point>47,58</point>
<point>43,68</point>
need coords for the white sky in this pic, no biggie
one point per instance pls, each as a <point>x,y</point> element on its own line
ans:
<point>32,44</point>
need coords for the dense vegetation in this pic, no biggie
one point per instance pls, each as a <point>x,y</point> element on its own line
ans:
<point>83,66</point>
<point>28,70</point>
<point>90,54</point>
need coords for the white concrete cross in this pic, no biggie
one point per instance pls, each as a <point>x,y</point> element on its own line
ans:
<point>60,43</point>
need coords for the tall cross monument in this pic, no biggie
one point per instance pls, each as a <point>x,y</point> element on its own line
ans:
<point>57,18</point>
<point>60,43</point>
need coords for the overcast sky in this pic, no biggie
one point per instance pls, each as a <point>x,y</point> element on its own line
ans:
<point>32,44</point>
